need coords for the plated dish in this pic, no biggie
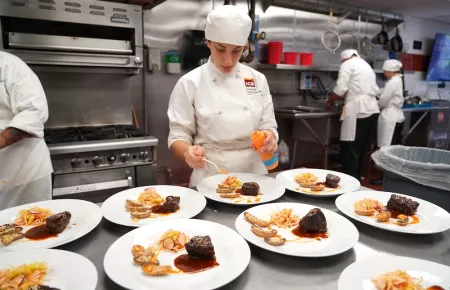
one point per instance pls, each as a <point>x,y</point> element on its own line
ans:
<point>297,229</point>
<point>318,182</point>
<point>184,254</point>
<point>240,188</point>
<point>394,212</point>
<point>46,270</point>
<point>200,254</point>
<point>46,224</point>
<point>394,273</point>
<point>144,205</point>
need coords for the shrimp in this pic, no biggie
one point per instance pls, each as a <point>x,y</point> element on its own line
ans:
<point>154,270</point>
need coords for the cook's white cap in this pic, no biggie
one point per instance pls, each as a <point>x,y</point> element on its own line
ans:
<point>227,24</point>
<point>392,65</point>
<point>348,53</point>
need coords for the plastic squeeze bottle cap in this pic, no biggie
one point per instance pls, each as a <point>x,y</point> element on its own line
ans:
<point>269,159</point>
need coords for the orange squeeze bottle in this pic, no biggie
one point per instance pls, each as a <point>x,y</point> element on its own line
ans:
<point>269,159</point>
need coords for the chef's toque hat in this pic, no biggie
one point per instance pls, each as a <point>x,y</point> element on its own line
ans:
<point>348,53</point>
<point>227,24</point>
<point>392,65</point>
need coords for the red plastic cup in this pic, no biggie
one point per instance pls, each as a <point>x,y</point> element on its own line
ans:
<point>275,51</point>
<point>290,58</point>
<point>306,59</point>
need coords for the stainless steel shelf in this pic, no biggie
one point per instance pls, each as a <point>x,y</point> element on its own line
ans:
<point>304,68</point>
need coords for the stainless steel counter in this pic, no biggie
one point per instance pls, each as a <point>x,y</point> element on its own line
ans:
<point>305,115</point>
<point>424,109</point>
<point>268,270</point>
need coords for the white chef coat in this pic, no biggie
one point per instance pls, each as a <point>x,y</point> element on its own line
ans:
<point>390,103</point>
<point>357,81</point>
<point>25,171</point>
<point>220,112</point>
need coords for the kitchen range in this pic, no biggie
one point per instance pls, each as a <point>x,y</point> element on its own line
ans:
<point>88,56</point>
<point>93,163</point>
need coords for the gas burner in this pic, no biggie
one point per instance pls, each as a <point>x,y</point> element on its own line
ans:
<point>77,134</point>
<point>63,135</point>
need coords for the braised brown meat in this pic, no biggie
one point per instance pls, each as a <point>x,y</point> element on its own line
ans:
<point>171,204</point>
<point>250,188</point>
<point>200,247</point>
<point>314,222</point>
<point>402,205</point>
<point>332,181</point>
<point>58,222</point>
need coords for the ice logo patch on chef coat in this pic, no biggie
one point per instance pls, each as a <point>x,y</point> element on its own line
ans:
<point>249,83</point>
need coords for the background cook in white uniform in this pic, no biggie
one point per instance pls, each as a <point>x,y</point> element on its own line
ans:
<point>357,82</point>
<point>214,109</point>
<point>390,102</point>
<point>25,166</point>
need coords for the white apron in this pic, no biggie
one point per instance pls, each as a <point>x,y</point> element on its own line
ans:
<point>386,125</point>
<point>358,106</point>
<point>230,112</point>
<point>25,170</point>
<point>392,113</point>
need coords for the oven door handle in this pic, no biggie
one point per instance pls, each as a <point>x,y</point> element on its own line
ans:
<point>130,180</point>
<point>94,187</point>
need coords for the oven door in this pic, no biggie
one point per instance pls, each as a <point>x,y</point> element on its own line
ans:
<point>94,186</point>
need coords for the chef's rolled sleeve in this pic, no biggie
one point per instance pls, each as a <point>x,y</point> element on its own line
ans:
<point>181,113</point>
<point>343,81</point>
<point>28,101</point>
<point>268,121</point>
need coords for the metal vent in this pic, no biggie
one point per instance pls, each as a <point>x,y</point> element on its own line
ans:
<point>47,1</point>
<point>97,7</point>
<point>47,7</point>
<point>72,10</point>
<point>120,10</point>
<point>99,13</point>
<point>19,3</point>
<point>72,4</point>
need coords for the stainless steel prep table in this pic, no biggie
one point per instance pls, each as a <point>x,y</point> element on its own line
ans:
<point>303,118</point>
<point>268,270</point>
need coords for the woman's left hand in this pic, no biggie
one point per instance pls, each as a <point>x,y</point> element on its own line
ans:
<point>270,144</point>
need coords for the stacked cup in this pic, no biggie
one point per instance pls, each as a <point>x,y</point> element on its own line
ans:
<point>275,51</point>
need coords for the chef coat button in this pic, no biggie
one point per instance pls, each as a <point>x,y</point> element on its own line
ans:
<point>245,108</point>
<point>220,112</point>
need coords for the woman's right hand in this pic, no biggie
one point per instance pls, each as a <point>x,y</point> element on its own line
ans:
<point>194,156</point>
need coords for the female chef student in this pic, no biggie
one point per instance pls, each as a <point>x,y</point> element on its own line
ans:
<point>390,121</point>
<point>214,109</point>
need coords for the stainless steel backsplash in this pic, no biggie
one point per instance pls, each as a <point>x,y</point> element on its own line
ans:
<point>87,99</point>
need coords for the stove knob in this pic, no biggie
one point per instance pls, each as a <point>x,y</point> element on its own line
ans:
<point>143,155</point>
<point>97,160</point>
<point>111,158</point>
<point>125,157</point>
<point>75,162</point>
<point>138,61</point>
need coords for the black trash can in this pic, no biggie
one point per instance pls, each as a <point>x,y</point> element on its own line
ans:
<point>416,171</point>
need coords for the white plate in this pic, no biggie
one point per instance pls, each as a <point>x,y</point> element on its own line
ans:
<point>191,204</point>
<point>85,217</point>
<point>343,235</point>
<point>269,188</point>
<point>359,275</point>
<point>347,183</point>
<point>433,219</point>
<point>232,254</point>
<point>67,270</point>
